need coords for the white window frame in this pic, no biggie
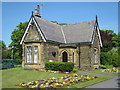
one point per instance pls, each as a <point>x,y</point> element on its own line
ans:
<point>28,54</point>
<point>36,55</point>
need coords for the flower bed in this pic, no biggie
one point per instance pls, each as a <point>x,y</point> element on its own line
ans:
<point>57,82</point>
<point>113,70</point>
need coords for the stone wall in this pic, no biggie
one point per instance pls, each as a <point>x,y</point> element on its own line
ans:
<point>70,51</point>
<point>50,52</point>
<point>33,35</point>
<point>85,56</point>
<point>32,39</point>
<point>95,55</point>
<point>40,61</point>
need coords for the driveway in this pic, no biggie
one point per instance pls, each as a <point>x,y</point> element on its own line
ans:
<point>111,83</point>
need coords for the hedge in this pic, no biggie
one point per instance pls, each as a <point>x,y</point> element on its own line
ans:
<point>59,66</point>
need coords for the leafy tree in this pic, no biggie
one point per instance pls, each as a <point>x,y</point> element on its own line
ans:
<point>16,38</point>
<point>59,23</point>
<point>110,52</point>
<point>2,44</point>
<point>3,50</point>
<point>106,36</point>
<point>62,23</point>
<point>110,57</point>
<point>116,41</point>
<point>54,22</point>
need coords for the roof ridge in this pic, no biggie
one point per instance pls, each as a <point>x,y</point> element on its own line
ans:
<point>48,21</point>
<point>63,25</point>
<point>63,34</point>
<point>78,23</point>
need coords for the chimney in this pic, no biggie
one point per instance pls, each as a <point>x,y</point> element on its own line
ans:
<point>36,11</point>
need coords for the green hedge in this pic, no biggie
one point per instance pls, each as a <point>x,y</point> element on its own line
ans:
<point>59,66</point>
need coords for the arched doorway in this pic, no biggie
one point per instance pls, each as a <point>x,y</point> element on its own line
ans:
<point>64,57</point>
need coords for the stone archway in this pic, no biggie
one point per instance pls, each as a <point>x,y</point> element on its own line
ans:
<point>64,57</point>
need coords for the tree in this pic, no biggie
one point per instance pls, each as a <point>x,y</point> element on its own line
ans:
<point>59,23</point>
<point>110,57</point>
<point>62,23</point>
<point>54,22</point>
<point>110,52</point>
<point>2,44</point>
<point>3,50</point>
<point>16,38</point>
<point>106,36</point>
<point>116,41</point>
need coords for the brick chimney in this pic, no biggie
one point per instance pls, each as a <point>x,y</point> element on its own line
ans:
<point>36,11</point>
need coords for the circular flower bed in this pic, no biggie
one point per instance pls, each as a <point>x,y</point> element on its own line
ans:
<point>114,70</point>
<point>57,82</point>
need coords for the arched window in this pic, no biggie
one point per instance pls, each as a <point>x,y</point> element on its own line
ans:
<point>96,55</point>
<point>64,57</point>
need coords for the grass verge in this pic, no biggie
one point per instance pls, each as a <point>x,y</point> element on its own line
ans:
<point>14,76</point>
<point>106,73</point>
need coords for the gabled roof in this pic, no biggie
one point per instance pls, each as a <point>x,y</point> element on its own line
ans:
<point>50,30</point>
<point>79,32</point>
<point>72,33</point>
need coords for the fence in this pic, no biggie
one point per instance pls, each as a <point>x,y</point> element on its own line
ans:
<point>7,63</point>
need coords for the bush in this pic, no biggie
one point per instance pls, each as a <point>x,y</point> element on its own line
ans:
<point>109,66</point>
<point>110,58</point>
<point>102,67</point>
<point>18,61</point>
<point>59,66</point>
<point>74,70</point>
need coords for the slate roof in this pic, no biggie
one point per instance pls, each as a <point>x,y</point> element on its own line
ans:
<point>50,30</point>
<point>71,33</point>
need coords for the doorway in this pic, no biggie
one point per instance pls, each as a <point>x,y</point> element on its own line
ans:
<point>64,57</point>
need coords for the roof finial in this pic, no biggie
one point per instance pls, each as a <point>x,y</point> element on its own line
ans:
<point>96,18</point>
<point>32,13</point>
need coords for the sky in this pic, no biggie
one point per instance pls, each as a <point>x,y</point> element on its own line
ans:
<point>64,12</point>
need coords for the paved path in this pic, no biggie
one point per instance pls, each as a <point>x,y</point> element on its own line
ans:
<point>111,83</point>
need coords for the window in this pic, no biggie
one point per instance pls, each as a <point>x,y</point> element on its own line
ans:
<point>35,54</point>
<point>95,53</point>
<point>29,54</point>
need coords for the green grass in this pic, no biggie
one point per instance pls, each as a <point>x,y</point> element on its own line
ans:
<point>107,73</point>
<point>12,77</point>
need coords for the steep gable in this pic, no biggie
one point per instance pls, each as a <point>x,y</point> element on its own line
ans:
<point>32,34</point>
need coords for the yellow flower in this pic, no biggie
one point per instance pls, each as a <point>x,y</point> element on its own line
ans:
<point>36,81</point>
<point>33,87</point>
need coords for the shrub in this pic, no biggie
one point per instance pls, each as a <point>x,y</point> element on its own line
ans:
<point>74,70</point>
<point>102,67</point>
<point>109,66</point>
<point>59,66</point>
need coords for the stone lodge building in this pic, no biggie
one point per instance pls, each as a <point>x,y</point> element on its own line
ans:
<point>46,41</point>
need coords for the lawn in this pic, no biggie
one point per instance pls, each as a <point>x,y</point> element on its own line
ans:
<point>12,77</point>
<point>100,72</point>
